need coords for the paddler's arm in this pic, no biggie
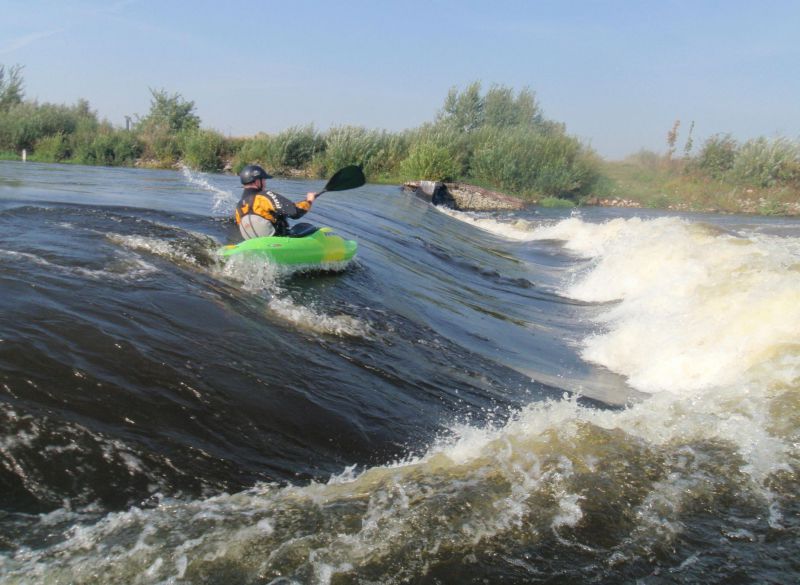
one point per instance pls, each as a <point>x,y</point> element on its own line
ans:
<point>302,207</point>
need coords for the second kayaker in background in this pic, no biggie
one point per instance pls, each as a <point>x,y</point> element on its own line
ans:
<point>262,213</point>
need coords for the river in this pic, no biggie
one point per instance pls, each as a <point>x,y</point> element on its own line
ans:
<point>546,396</point>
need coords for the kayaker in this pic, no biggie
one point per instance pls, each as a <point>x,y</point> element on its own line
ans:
<point>260,212</point>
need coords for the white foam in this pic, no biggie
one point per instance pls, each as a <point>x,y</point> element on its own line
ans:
<point>526,477</point>
<point>513,229</point>
<point>156,246</point>
<point>317,321</point>
<point>697,308</point>
<point>258,275</point>
<point>254,275</point>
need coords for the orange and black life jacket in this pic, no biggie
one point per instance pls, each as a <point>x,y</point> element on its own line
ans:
<point>271,206</point>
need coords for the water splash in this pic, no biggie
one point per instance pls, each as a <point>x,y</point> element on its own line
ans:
<point>260,276</point>
<point>223,202</point>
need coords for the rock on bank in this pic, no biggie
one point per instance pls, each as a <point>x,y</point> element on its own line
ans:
<point>462,196</point>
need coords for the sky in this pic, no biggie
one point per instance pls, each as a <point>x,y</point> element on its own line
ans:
<point>617,73</point>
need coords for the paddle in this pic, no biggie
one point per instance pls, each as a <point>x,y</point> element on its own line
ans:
<point>344,179</point>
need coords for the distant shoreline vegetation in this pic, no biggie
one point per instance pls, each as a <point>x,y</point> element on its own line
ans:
<point>761,175</point>
<point>498,139</point>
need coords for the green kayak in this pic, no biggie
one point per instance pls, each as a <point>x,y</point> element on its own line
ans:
<point>319,248</point>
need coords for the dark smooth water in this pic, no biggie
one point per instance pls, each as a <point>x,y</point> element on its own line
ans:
<point>609,396</point>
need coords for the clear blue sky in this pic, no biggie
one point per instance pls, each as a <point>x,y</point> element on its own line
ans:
<point>617,73</point>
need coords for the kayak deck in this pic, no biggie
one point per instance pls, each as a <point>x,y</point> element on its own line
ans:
<point>320,247</point>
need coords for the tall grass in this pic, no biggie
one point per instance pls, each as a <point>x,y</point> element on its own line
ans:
<point>110,147</point>
<point>202,149</point>
<point>377,151</point>
<point>430,161</point>
<point>53,148</point>
<point>761,175</point>
<point>534,163</point>
<point>767,163</point>
<point>23,125</point>
<point>294,148</point>
<point>759,162</point>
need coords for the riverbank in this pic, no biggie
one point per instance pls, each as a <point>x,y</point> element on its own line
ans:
<point>498,140</point>
<point>623,184</point>
<point>633,183</point>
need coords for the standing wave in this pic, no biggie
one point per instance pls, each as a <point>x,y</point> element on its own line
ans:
<point>696,482</point>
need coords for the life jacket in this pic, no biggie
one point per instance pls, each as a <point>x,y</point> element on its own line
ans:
<point>261,214</point>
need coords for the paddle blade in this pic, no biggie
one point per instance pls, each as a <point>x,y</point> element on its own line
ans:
<point>346,178</point>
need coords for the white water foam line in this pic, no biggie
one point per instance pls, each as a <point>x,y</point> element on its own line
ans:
<point>156,246</point>
<point>513,229</point>
<point>696,308</point>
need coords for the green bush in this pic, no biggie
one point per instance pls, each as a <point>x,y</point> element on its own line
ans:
<point>297,146</point>
<point>81,140</point>
<point>504,110</point>
<point>109,147</point>
<point>261,149</point>
<point>202,149</point>
<point>171,112</point>
<point>535,163</point>
<point>346,145</point>
<point>392,150</point>
<point>23,125</point>
<point>11,86</point>
<point>53,148</point>
<point>717,155</point>
<point>767,163</point>
<point>254,150</point>
<point>499,139</point>
<point>429,161</point>
<point>293,148</point>
<point>159,144</point>
<point>460,145</point>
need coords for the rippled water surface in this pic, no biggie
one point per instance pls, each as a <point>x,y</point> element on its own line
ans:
<point>598,396</point>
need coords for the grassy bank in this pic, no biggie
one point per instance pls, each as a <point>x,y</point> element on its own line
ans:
<point>757,176</point>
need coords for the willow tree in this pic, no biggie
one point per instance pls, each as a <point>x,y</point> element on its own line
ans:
<point>11,87</point>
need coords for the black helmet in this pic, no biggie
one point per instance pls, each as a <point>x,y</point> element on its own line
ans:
<point>252,172</point>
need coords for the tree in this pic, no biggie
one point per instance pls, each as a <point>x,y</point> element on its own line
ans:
<point>502,109</point>
<point>11,92</point>
<point>464,111</point>
<point>468,110</point>
<point>170,112</point>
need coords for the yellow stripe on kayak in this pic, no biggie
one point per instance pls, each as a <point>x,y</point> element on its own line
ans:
<point>334,248</point>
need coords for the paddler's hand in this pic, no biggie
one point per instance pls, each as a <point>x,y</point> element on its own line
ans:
<point>310,197</point>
